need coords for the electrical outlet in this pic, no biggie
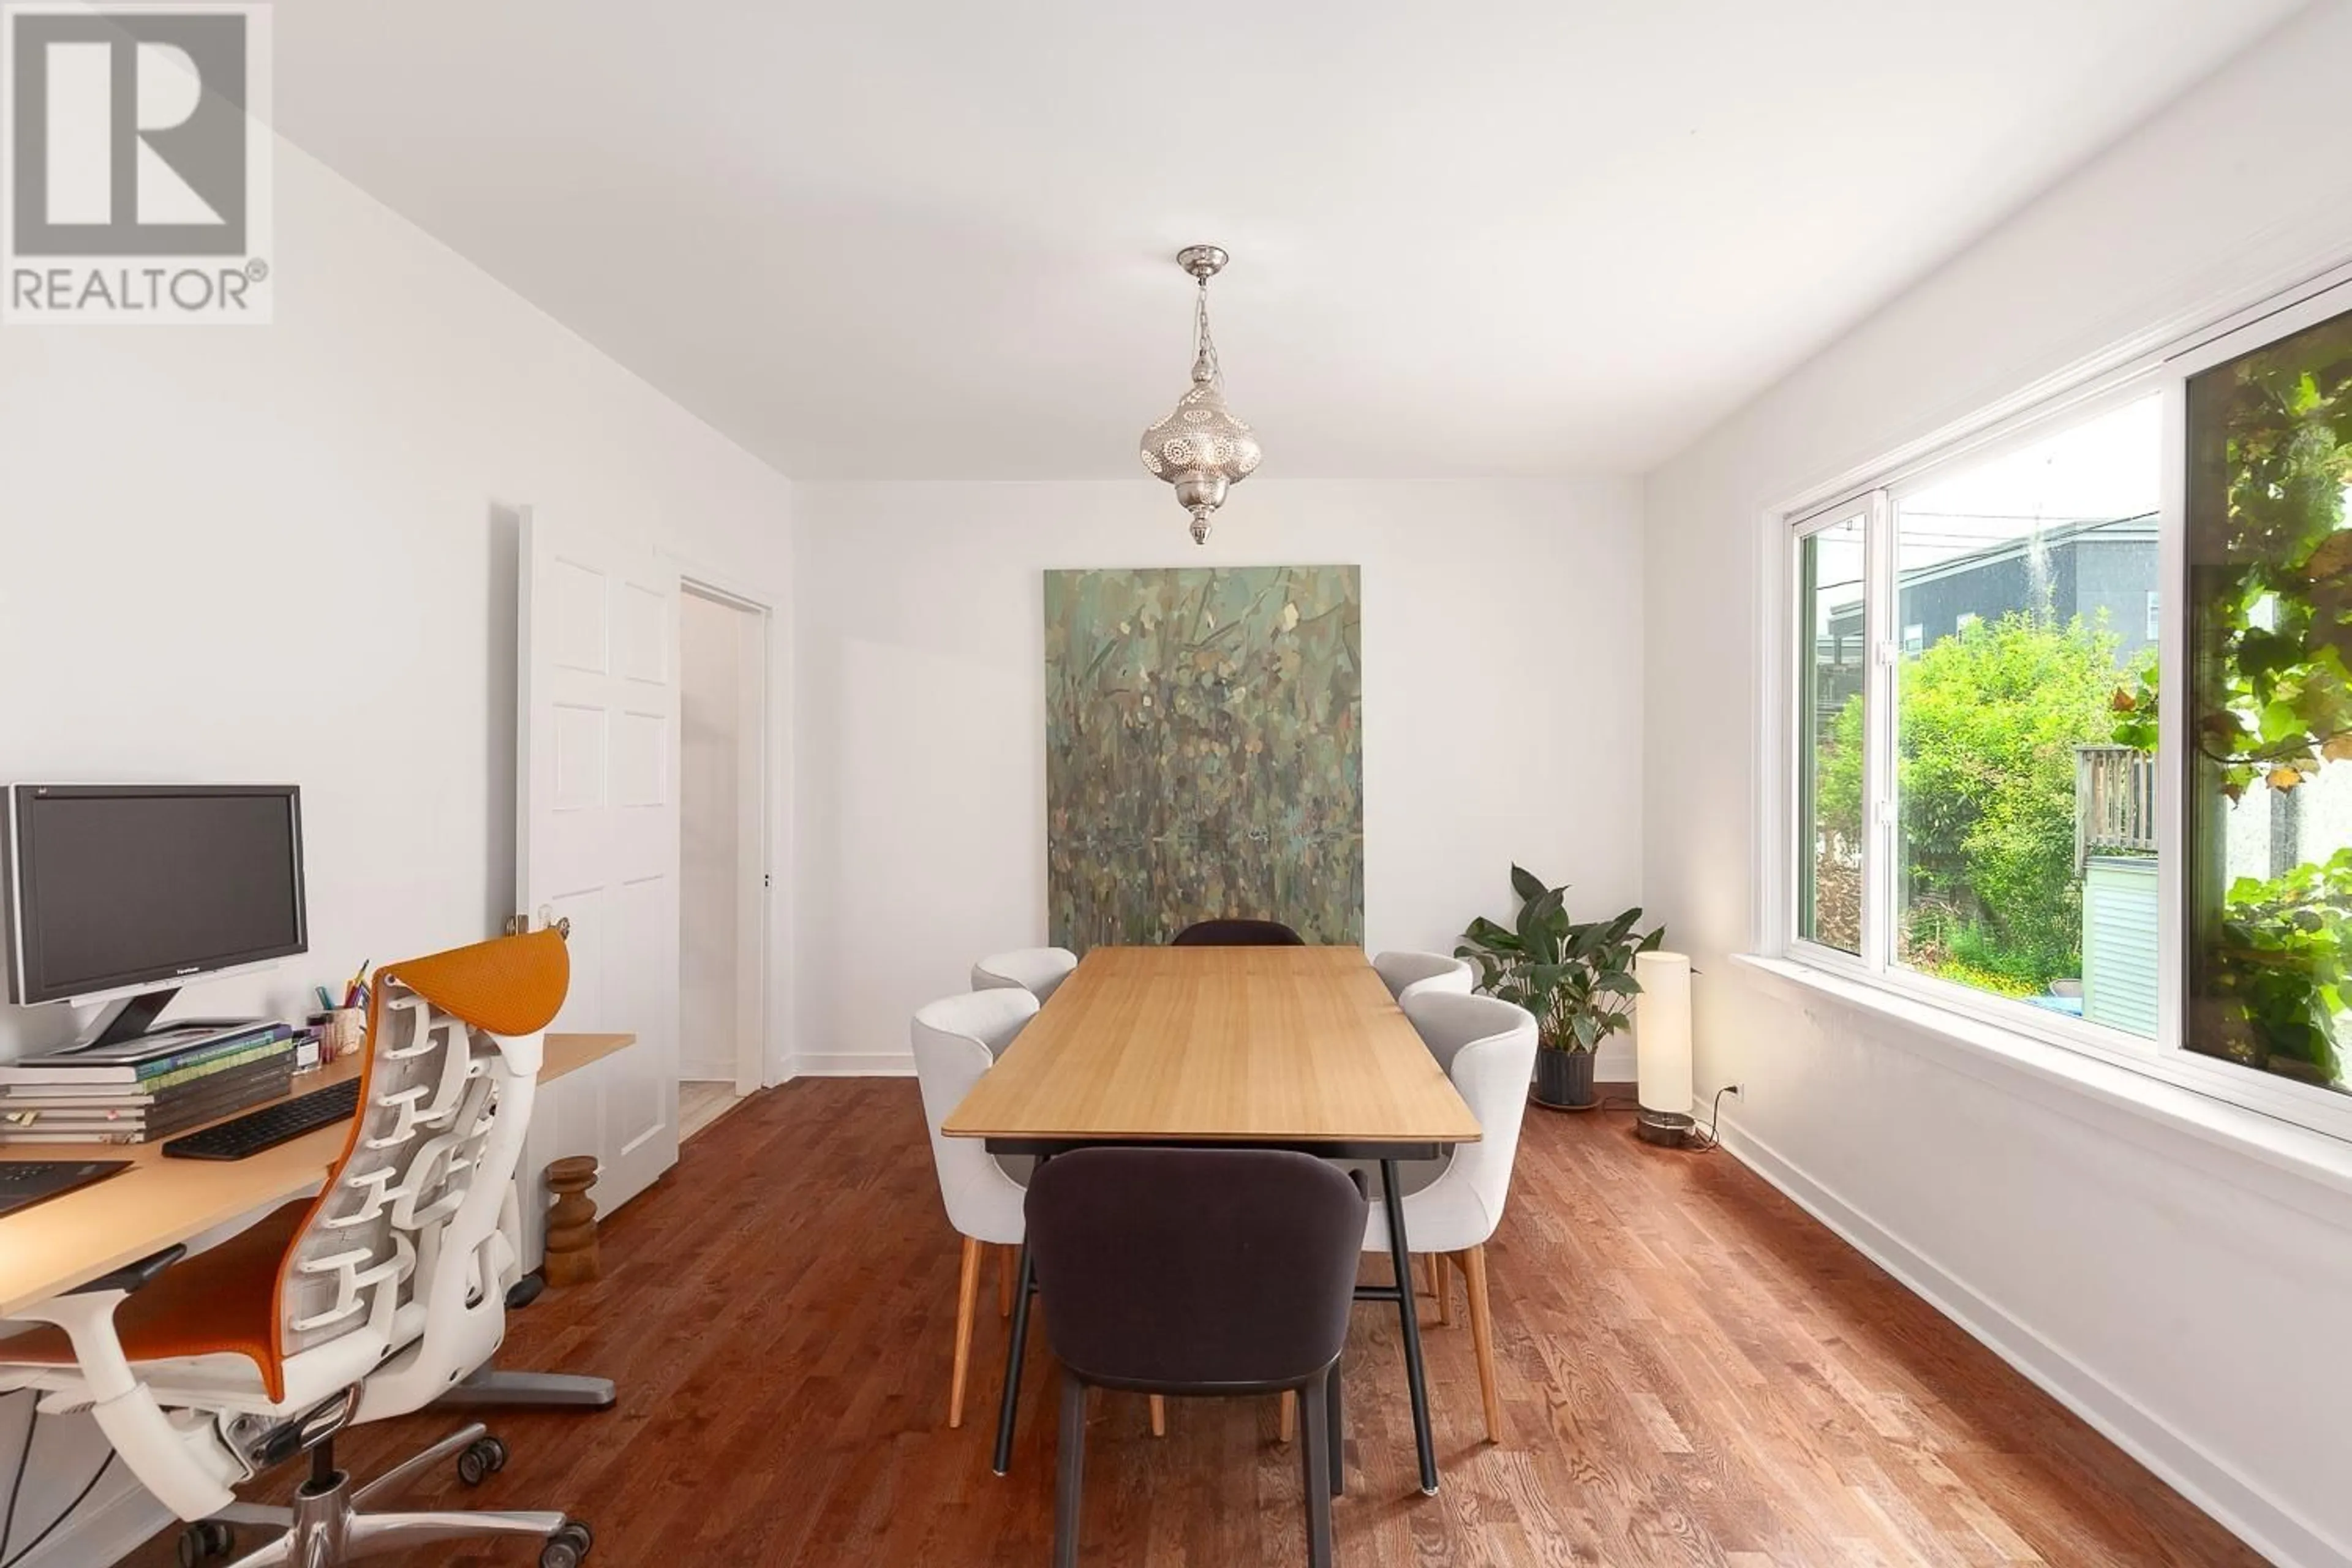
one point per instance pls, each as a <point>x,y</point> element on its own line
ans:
<point>1732,1090</point>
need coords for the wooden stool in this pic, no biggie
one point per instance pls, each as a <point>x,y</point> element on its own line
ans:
<point>571,1256</point>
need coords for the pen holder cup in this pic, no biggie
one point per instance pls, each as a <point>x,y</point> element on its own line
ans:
<point>345,1032</point>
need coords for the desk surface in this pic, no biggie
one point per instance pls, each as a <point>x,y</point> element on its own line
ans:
<point>1273,1045</point>
<point>67,1241</point>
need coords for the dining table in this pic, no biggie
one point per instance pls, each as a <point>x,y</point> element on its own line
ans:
<point>1259,1047</point>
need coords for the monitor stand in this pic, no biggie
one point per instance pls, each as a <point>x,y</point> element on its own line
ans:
<point>135,1017</point>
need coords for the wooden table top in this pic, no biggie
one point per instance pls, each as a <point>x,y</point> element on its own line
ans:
<point>1257,1045</point>
<point>52,1246</point>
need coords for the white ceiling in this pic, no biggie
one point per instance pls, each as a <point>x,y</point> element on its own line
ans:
<point>893,240</point>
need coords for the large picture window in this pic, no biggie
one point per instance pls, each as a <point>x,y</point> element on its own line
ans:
<point>1994,804</point>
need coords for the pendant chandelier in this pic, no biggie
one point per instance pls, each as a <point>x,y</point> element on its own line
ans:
<point>1201,447</point>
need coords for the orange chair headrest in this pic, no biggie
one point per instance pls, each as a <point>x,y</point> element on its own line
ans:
<point>509,986</point>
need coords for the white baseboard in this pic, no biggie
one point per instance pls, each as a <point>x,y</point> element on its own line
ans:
<point>854,1064</point>
<point>2255,1517</point>
<point>118,1519</point>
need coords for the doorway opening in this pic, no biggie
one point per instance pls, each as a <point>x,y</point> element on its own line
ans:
<point>722,853</point>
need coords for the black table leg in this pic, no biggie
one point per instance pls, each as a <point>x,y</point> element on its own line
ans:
<point>1010,1407</point>
<point>1415,1383</point>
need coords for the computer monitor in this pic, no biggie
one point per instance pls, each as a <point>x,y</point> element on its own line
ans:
<point>112,889</point>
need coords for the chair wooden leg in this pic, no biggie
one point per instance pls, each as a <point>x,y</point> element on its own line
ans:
<point>1159,1417</point>
<point>1481,1337</point>
<point>1444,1291</point>
<point>1289,1428</point>
<point>967,1298</point>
<point>1071,1472</point>
<point>1315,1420</point>
<point>1008,1263</point>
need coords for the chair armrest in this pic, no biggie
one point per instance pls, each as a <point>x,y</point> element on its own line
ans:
<point>134,1276</point>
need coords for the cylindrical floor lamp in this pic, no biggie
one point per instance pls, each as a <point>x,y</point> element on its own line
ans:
<point>1661,1036</point>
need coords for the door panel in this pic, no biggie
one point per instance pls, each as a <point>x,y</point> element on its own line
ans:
<point>598,827</point>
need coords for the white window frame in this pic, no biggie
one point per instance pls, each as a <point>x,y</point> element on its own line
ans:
<point>1784,661</point>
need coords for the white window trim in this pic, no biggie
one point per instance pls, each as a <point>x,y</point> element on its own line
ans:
<point>2132,371</point>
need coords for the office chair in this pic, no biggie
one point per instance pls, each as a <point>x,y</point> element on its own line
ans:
<point>367,1302</point>
<point>1039,971</point>
<point>1201,1272</point>
<point>1238,933</point>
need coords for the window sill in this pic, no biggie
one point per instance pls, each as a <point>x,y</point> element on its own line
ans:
<point>2237,1144</point>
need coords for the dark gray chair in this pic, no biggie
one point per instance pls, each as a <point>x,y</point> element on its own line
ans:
<point>1238,933</point>
<point>1197,1272</point>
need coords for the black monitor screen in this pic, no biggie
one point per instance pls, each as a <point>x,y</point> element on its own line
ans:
<point>119,886</point>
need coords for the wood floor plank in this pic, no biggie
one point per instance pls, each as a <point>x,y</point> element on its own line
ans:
<point>1693,1372</point>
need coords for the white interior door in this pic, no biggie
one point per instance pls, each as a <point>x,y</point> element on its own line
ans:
<point>597,835</point>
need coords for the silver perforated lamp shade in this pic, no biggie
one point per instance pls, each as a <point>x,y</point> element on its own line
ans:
<point>1201,447</point>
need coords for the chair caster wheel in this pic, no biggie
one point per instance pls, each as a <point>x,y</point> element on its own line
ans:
<point>481,1459</point>
<point>203,1540</point>
<point>567,1546</point>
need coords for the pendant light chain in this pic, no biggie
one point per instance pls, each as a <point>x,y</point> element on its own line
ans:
<point>1205,342</point>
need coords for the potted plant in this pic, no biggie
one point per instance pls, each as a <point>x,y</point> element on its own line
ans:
<point>1578,979</point>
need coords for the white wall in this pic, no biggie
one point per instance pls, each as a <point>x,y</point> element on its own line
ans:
<point>1502,627</point>
<point>2185,1299</point>
<point>275,553</point>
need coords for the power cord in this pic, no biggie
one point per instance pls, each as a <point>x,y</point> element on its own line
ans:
<point>1705,1142</point>
<point>16,1487</point>
<point>1701,1142</point>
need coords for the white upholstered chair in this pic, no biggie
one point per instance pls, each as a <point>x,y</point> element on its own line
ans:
<point>1452,1204</point>
<point>1036,970</point>
<point>957,1040</point>
<point>1408,974</point>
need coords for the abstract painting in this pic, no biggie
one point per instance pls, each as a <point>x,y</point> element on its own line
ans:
<point>1204,750</point>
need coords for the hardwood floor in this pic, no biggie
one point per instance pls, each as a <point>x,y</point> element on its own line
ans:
<point>1694,1372</point>
<point>700,1104</point>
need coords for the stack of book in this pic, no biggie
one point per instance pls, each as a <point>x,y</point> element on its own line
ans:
<point>151,1088</point>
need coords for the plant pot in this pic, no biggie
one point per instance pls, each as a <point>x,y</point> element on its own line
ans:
<point>1564,1078</point>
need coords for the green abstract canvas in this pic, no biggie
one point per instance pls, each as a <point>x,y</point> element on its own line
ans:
<point>1204,750</point>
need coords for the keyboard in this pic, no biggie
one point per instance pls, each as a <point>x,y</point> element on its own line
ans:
<point>267,1128</point>
<point>23,1183</point>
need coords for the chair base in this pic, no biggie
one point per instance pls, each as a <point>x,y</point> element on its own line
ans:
<point>329,1524</point>
<point>488,1389</point>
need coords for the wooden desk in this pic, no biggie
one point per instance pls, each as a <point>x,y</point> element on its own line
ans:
<point>1291,1047</point>
<point>52,1246</point>
<point>1297,1047</point>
